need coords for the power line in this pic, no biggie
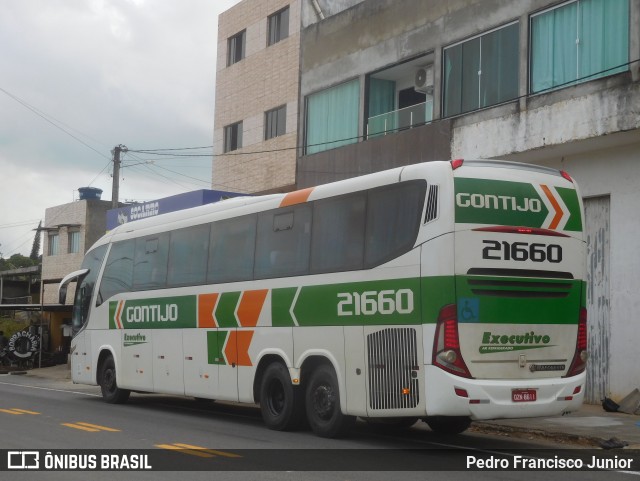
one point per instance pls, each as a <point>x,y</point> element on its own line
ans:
<point>177,148</point>
<point>48,118</point>
<point>18,224</point>
<point>160,152</point>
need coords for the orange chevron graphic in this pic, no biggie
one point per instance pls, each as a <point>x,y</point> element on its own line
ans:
<point>118,315</point>
<point>237,348</point>
<point>250,307</point>
<point>556,206</point>
<point>206,305</point>
<point>296,197</point>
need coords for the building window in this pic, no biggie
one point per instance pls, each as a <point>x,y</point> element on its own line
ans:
<point>235,48</point>
<point>233,137</point>
<point>332,117</point>
<point>275,122</point>
<point>54,242</point>
<point>482,71</point>
<point>278,26</point>
<point>74,242</point>
<point>579,41</point>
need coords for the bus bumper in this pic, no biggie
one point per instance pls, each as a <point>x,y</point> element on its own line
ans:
<point>449,395</point>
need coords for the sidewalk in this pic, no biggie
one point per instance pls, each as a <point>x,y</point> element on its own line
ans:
<point>589,427</point>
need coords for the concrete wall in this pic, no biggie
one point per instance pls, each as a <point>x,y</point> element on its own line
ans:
<point>328,8</point>
<point>265,79</point>
<point>420,144</point>
<point>613,170</point>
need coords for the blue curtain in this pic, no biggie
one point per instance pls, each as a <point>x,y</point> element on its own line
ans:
<point>499,65</point>
<point>577,40</point>
<point>332,117</point>
<point>604,37</point>
<point>553,44</point>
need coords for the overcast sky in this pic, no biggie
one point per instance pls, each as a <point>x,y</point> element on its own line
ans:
<point>77,78</point>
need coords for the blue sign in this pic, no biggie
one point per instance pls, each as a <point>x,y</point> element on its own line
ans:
<point>468,309</point>
<point>133,212</point>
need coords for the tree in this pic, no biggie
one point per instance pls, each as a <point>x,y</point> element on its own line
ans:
<point>35,248</point>
<point>16,261</point>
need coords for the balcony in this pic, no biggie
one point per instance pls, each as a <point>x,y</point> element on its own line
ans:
<point>397,120</point>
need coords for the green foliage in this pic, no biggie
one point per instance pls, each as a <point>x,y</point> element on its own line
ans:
<point>11,326</point>
<point>35,248</point>
<point>17,261</point>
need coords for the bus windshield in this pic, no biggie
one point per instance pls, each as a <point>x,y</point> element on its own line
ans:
<point>84,289</point>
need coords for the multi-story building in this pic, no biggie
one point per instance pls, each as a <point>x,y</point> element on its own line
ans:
<point>69,230</point>
<point>256,114</point>
<point>385,83</point>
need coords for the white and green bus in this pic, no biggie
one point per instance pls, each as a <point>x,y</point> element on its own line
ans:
<point>444,291</point>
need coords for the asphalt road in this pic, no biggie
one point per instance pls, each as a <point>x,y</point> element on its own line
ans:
<point>185,434</point>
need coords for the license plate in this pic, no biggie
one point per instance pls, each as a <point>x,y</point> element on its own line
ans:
<point>523,395</point>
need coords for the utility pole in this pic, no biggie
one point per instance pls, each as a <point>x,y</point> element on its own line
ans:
<point>115,190</point>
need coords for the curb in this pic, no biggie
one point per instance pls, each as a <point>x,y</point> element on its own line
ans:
<point>519,432</point>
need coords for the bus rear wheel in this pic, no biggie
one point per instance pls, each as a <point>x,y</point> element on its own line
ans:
<point>111,393</point>
<point>322,401</point>
<point>448,424</point>
<point>281,402</point>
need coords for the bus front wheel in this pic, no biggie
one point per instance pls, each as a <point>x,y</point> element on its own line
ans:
<point>322,402</point>
<point>448,424</point>
<point>281,402</point>
<point>111,393</point>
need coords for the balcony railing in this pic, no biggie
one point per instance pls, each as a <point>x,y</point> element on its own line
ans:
<point>401,119</point>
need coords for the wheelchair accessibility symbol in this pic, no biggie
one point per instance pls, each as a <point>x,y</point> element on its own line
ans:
<point>468,310</point>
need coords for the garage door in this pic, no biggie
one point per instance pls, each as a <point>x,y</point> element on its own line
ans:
<point>598,295</point>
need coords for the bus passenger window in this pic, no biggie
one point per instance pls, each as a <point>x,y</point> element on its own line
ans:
<point>338,233</point>
<point>231,250</point>
<point>393,219</point>
<point>188,252</point>
<point>284,238</point>
<point>150,265</point>
<point>118,272</point>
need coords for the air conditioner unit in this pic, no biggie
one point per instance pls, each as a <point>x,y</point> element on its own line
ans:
<point>423,81</point>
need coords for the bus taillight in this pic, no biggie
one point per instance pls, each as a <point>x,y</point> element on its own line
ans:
<point>566,176</point>
<point>581,355</point>
<point>446,345</point>
<point>456,163</point>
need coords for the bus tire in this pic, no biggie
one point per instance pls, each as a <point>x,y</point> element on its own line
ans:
<point>448,424</point>
<point>322,401</point>
<point>111,393</point>
<point>281,402</point>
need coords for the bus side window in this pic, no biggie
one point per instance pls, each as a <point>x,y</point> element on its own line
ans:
<point>393,220</point>
<point>231,250</point>
<point>338,233</point>
<point>284,240</point>
<point>150,264</point>
<point>118,272</point>
<point>188,252</point>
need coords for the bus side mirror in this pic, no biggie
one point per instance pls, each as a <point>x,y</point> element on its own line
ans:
<point>64,283</point>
